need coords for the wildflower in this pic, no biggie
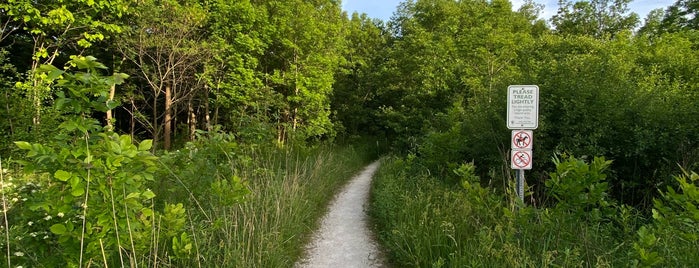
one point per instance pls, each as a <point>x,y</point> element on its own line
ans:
<point>19,254</point>
<point>48,218</point>
<point>46,237</point>
<point>60,214</point>
<point>15,199</point>
<point>30,223</point>
<point>32,234</point>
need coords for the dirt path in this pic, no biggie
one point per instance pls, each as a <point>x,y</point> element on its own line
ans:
<point>344,239</point>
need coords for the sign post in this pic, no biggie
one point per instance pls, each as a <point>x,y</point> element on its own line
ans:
<point>522,118</point>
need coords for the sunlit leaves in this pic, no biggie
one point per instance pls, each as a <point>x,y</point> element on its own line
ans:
<point>598,18</point>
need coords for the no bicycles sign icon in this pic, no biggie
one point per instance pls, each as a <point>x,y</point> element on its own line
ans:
<point>521,159</point>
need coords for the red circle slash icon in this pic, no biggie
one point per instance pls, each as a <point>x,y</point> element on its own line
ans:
<point>521,159</point>
<point>521,140</point>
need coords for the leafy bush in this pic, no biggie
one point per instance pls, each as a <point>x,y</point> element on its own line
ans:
<point>89,202</point>
<point>673,236</point>
<point>579,187</point>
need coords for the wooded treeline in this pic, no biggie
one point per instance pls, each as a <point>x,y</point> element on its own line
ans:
<point>431,81</point>
<point>255,68</point>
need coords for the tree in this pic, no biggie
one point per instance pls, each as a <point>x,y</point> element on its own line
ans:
<point>354,91</point>
<point>653,24</point>
<point>303,52</point>
<point>238,37</point>
<point>682,15</point>
<point>164,43</point>
<point>597,18</point>
<point>49,29</point>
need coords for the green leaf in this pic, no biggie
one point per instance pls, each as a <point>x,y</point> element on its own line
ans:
<point>58,229</point>
<point>148,194</point>
<point>23,145</point>
<point>62,175</point>
<point>118,78</point>
<point>147,212</point>
<point>125,140</point>
<point>133,195</point>
<point>145,145</point>
<point>55,74</point>
<point>78,191</point>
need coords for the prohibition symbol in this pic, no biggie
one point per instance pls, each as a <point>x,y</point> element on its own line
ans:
<point>521,160</point>
<point>522,139</point>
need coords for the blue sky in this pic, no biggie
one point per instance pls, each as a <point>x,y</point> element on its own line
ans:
<point>383,9</point>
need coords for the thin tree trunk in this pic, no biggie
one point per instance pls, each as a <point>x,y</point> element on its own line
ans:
<point>296,90</point>
<point>217,107</point>
<point>110,126</point>
<point>207,119</point>
<point>155,128</point>
<point>168,118</point>
<point>192,120</point>
<point>36,101</point>
<point>133,119</point>
<point>9,118</point>
<point>280,132</point>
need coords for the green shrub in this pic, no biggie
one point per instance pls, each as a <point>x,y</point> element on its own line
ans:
<point>579,187</point>
<point>672,238</point>
<point>89,203</point>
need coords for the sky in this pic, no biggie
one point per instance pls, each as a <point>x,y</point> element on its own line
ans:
<point>383,9</point>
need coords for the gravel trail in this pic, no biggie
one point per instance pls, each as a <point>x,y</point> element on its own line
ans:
<point>344,239</point>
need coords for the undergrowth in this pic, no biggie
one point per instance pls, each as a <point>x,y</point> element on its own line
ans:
<point>267,221</point>
<point>89,197</point>
<point>423,221</point>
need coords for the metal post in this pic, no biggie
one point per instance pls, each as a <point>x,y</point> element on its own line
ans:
<point>520,184</point>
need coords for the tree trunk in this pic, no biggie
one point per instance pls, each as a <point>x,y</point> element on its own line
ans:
<point>168,118</point>
<point>207,119</point>
<point>192,118</point>
<point>281,132</point>
<point>156,126</point>
<point>296,91</point>
<point>110,126</point>
<point>36,101</point>
<point>133,119</point>
<point>9,118</point>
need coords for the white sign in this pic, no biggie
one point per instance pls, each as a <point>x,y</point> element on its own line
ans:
<point>522,139</point>
<point>523,107</point>
<point>521,159</point>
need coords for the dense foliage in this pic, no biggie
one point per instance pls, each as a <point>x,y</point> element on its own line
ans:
<point>211,82</point>
<point>609,89</point>
<point>424,222</point>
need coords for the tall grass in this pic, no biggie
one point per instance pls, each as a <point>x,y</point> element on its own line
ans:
<point>423,221</point>
<point>289,189</point>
